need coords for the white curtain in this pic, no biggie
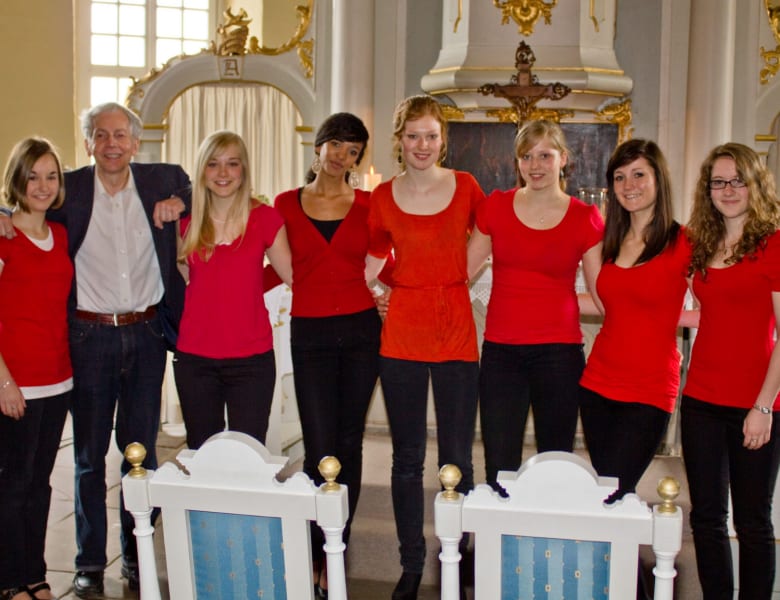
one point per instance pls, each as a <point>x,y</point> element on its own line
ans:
<point>262,115</point>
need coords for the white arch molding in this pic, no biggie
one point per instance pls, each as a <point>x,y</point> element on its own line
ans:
<point>152,96</point>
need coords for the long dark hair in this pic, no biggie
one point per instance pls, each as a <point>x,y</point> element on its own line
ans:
<point>344,127</point>
<point>662,229</point>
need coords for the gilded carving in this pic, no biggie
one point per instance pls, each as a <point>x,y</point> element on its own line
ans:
<point>771,57</point>
<point>620,114</point>
<point>525,13</point>
<point>509,115</point>
<point>304,49</point>
<point>234,32</point>
<point>452,113</point>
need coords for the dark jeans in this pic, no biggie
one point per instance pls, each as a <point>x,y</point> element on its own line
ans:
<point>622,437</point>
<point>207,385</point>
<point>514,378</point>
<point>335,367</point>
<point>405,387</point>
<point>716,460</point>
<point>115,370</point>
<point>28,448</point>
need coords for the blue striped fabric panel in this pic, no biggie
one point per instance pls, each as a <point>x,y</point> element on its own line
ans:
<point>551,569</point>
<point>237,556</point>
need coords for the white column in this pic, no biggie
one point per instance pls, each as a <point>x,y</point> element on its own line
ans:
<point>352,56</point>
<point>710,84</point>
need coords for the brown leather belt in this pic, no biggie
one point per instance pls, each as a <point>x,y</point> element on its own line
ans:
<point>117,320</point>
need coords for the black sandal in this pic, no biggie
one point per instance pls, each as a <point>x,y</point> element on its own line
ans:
<point>32,590</point>
<point>11,592</point>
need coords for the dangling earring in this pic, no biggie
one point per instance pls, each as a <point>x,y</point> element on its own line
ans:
<point>563,174</point>
<point>354,179</point>
<point>316,165</point>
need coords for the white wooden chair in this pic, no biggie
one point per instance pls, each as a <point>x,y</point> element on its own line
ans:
<point>553,537</point>
<point>232,530</point>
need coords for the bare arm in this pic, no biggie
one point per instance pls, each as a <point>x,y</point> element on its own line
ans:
<point>479,248</point>
<point>590,304</point>
<point>757,427</point>
<point>373,267</point>
<point>12,402</point>
<point>280,257</point>
<point>6,227</point>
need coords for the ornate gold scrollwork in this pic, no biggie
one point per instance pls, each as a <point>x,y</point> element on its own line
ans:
<point>771,57</point>
<point>234,32</point>
<point>452,113</point>
<point>304,48</point>
<point>509,115</point>
<point>525,13</point>
<point>620,114</point>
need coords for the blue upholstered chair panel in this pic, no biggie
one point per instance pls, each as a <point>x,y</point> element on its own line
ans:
<point>237,556</point>
<point>553,569</point>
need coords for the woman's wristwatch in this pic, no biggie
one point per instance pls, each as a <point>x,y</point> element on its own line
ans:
<point>764,410</point>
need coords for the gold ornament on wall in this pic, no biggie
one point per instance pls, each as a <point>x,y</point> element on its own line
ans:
<point>618,113</point>
<point>771,57</point>
<point>304,48</point>
<point>525,13</point>
<point>509,115</point>
<point>234,33</point>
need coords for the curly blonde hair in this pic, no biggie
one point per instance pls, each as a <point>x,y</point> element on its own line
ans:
<point>706,227</point>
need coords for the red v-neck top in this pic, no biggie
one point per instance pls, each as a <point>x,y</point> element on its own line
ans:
<point>429,318</point>
<point>328,277</point>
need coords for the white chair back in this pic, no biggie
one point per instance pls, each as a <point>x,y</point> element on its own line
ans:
<point>232,530</point>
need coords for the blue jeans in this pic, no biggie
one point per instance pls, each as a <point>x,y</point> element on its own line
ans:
<point>716,460</point>
<point>405,387</point>
<point>115,370</point>
<point>622,437</point>
<point>28,448</point>
<point>514,378</point>
<point>335,367</point>
<point>206,386</point>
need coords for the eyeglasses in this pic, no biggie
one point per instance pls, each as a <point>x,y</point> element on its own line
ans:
<point>720,184</point>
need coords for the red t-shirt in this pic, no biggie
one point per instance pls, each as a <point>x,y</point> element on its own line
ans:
<point>731,352</point>
<point>635,356</point>
<point>533,298</point>
<point>429,318</point>
<point>329,277</point>
<point>224,310</point>
<point>34,289</point>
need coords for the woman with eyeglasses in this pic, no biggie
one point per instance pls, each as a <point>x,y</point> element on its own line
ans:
<point>729,433</point>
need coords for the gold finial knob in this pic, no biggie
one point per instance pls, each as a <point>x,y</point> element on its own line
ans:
<point>668,488</point>
<point>329,468</point>
<point>450,477</point>
<point>135,453</point>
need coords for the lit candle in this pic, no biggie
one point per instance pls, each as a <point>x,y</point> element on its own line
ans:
<point>371,179</point>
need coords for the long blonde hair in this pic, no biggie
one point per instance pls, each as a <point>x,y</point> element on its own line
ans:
<point>706,227</point>
<point>200,236</point>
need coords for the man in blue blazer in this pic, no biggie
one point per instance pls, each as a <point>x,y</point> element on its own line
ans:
<point>125,306</point>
